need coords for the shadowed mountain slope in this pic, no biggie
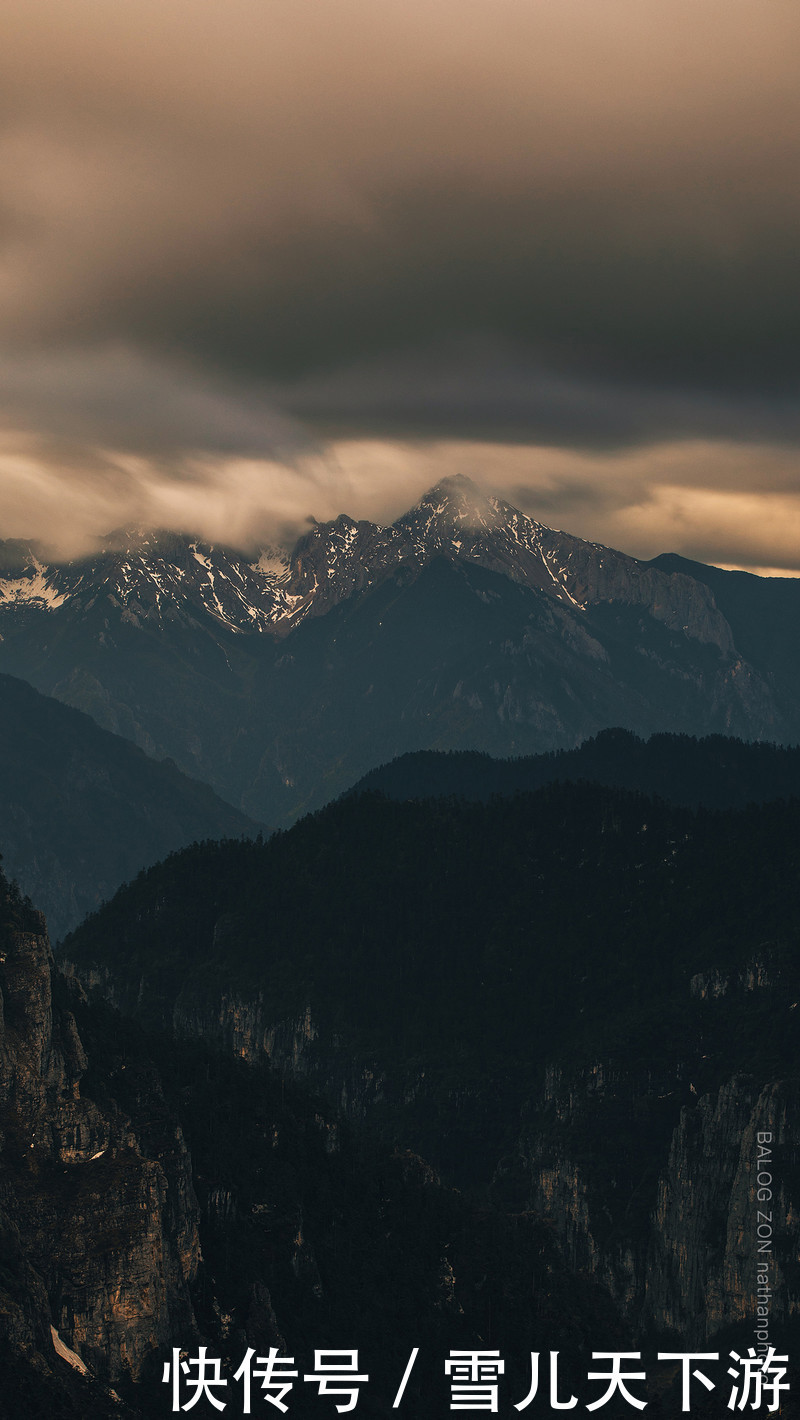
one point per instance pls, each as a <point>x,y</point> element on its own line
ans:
<point>82,810</point>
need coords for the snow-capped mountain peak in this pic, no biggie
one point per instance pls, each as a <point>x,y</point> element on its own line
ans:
<point>151,576</point>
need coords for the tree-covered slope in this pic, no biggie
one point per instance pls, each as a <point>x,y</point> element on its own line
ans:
<point>580,1002</point>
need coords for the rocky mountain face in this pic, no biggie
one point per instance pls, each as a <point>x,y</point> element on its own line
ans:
<point>147,577</point>
<point>765,613</point>
<point>82,810</point>
<point>479,983</point>
<point>456,522</point>
<point>464,625</point>
<point>80,1184</point>
<point>691,1270</point>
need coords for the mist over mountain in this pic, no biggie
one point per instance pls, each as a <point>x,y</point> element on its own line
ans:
<point>464,625</point>
<point>82,810</point>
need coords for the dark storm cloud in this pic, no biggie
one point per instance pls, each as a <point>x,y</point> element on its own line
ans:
<point>568,224</point>
<point>117,398</point>
<point>609,182</point>
<point>490,391</point>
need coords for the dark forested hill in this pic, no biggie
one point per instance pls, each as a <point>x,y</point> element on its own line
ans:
<point>446,928</point>
<point>572,998</point>
<point>717,771</point>
<point>82,810</point>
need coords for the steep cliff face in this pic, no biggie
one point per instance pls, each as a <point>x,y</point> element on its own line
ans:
<point>716,1229</point>
<point>684,1255</point>
<point>669,1228</point>
<point>98,1222</point>
<point>668,1223</point>
<point>683,1245</point>
<point>591,575</point>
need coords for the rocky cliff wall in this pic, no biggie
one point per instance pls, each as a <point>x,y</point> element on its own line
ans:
<point>98,1223</point>
<point>650,1186</point>
<point>682,1246</point>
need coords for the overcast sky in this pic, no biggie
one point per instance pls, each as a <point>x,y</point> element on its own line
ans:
<point>266,259</point>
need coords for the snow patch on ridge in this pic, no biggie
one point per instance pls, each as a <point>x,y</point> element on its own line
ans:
<point>31,588</point>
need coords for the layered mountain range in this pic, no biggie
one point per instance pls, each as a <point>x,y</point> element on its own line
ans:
<point>436,1073</point>
<point>464,625</point>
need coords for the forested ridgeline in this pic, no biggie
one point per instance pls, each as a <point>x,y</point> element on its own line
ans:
<point>715,771</point>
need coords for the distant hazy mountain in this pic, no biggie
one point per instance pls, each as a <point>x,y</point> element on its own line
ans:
<point>716,772</point>
<point>82,811</point>
<point>464,625</point>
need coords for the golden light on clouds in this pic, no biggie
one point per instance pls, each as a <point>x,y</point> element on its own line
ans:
<point>644,501</point>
